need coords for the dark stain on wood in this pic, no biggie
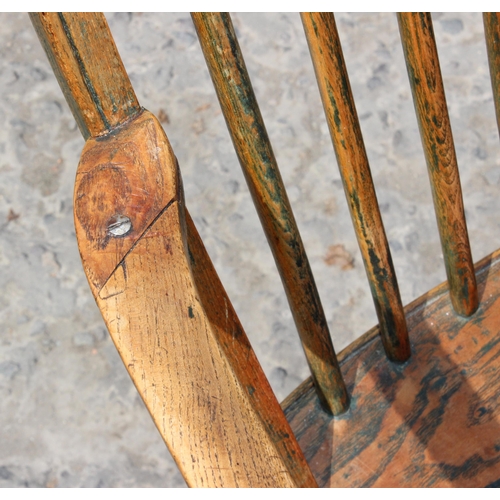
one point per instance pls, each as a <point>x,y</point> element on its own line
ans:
<point>81,65</point>
<point>429,98</point>
<point>98,89</point>
<point>413,413</point>
<point>492,34</point>
<point>340,110</point>
<point>430,422</point>
<point>248,133</point>
<point>131,173</point>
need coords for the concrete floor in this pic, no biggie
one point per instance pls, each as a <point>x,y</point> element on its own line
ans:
<point>69,415</point>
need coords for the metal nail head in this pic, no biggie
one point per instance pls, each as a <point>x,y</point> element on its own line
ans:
<point>119,225</point>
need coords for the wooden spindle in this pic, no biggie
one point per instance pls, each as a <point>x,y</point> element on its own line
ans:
<point>253,148</point>
<point>163,303</point>
<point>422,62</point>
<point>492,35</point>
<point>333,82</point>
<point>98,90</point>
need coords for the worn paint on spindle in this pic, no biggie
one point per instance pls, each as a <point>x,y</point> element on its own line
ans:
<point>429,422</point>
<point>422,62</point>
<point>254,151</point>
<point>99,92</point>
<point>340,110</point>
<point>492,35</point>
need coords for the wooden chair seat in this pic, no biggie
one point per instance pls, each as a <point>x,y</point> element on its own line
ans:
<point>430,422</point>
<point>411,403</point>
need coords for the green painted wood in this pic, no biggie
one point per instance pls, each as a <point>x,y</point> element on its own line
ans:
<point>492,35</point>
<point>98,90</point>
<point>433,421</point>
<point>345,131</point>
<point>422,62</point>
<point>248,133</point>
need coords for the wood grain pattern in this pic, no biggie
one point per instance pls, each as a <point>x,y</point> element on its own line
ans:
<point>492,34</point>
<point>164,306</point>
<point>246,126</point>
<point>433,421</point>
<point>125,175</point>
<point>171,320</point>
<point>340,110</point>
<point>97,89</point>
<point>422,62</point>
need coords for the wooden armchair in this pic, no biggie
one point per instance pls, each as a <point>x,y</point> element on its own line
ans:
<point>413,402</point>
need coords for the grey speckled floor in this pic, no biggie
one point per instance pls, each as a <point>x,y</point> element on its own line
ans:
<point>69,415</point>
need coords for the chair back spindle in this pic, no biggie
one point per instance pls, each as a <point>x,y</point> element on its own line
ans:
<point>492,35</point>
<point>345,131</point>
<point>253,148</point>
<point>98,91</point>
<point>427,87</point>
<point>177,332</point>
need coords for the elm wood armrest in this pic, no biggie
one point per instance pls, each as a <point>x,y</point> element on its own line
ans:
<point>165,308</point>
